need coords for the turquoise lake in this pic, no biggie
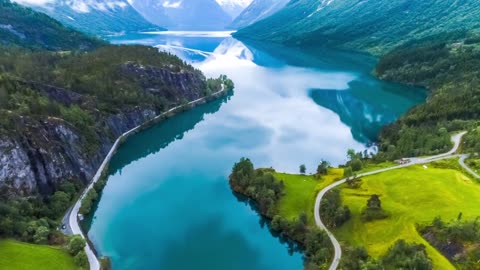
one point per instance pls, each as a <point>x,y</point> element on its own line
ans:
<point>167,204</point>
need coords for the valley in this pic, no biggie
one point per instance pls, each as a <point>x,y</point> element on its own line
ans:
<point>120,123</point>
<point>243,124</point>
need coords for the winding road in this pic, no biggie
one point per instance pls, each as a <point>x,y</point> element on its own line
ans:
<point>70,220</point>
<point>456,139</point>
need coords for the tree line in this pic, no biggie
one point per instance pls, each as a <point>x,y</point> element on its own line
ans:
<point>448,65</point>
<point>265,190</point>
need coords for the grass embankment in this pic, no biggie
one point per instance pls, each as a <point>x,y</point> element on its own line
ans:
<point>411,196</point>
<point>300,193</point>
<point>22,256</point>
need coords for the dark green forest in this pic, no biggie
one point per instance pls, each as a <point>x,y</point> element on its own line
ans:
<point>449,66</point>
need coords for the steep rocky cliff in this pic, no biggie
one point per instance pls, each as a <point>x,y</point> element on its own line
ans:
<point>38,153</point>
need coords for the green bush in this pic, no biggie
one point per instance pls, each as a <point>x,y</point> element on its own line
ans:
<point>41,235</point>
<point>260,185</point>
<point>75,245</point>
<point>81,259</point>
<point>88,201</point>
<point>333,213</point>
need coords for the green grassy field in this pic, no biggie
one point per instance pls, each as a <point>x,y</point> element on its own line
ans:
<point>412,196</point>
<point>377,166</point>
<point>301,191</point>
<point>23,256</point>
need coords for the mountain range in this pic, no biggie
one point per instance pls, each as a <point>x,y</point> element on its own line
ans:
<point>111,17</point>
<point>98,17</point>
<point>23,27</point>
<point>184,14</point>
<point>234,7</point>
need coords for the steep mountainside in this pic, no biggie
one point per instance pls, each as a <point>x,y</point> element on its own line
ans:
<point>256,11</point>
<point>60,113</point>
<point>99,17</point>
<point>447,64</point>
<point>184,15</point>
<point>373,26</point>
<point>233,7</point>
<point>24,27</point>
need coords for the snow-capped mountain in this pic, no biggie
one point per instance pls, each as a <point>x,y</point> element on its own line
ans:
<point>100,17</point>
<point>184,14</point>
<point>233,48</point>
<point>256,11</point>
<point>234,7</point>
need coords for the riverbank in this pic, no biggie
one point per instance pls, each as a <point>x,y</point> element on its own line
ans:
<point>73,220</point>
<point>265,190</point>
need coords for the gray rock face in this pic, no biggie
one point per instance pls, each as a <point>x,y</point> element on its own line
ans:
<point>40,154</point>
<point>173,85</point>
<point>15,169</point>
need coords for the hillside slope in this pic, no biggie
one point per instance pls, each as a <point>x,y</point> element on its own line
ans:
<point>256,11</point>
<point>23,27</point>
<point>98,17</point>
<point>448,65</point>
<point>61,112</point>
<point>372,26</point>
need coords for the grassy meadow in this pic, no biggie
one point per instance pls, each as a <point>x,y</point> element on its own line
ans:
<point>301,191</point>
<point>22,256</point>
<point>411,196</point>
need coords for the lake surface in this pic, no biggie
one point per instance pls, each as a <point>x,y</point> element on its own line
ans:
<point>167,204</point>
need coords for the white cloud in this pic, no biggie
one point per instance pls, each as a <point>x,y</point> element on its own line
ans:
<point>242,3</point>
<point>168,4</point>
<point>78,6</point>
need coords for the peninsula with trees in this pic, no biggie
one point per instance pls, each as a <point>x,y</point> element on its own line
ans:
<point>419,214</point>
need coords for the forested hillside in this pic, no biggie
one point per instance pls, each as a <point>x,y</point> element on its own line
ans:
<point>448,65</point>
<point>21,26</point>
<point>61,110</point>
<point>372,26</point>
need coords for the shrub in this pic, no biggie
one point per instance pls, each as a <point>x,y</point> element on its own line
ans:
<point>76,244</point>
<point>81,259</point>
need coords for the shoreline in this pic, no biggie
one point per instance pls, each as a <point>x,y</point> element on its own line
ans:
<point>73,221</point>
